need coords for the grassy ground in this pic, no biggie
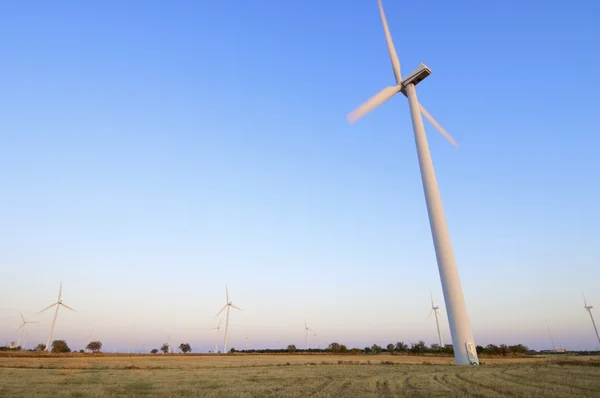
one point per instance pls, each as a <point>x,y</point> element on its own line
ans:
<point>294,375</point>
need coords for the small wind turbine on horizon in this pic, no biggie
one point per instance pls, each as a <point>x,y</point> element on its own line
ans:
<point>218,329</point>
<point>434,310</point>
<point>228,305</point>
<point>551,338</point>
<point>57,304</point>
<point>306,330</point>
<point>23,329</point>
<point>458,317</point>
<point>588,308</point>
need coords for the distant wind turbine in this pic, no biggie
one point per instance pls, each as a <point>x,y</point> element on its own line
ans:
<point>57,304</point>
<point>588,308</point>
<point>458,317</point>
<point>434,310</point>
<point>551,338</point>
<point>23,329</point>
<point>218,329</point>
<point>228,305</point>
<point>306,330</point>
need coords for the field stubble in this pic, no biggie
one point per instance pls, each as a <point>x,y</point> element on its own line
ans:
<point>294,376</point>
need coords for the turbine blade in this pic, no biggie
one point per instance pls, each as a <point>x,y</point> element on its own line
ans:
<point>437,126</point>
<point>48,307</point>
<point>390,45</point>
<point>20,327</point>
<point>59,291</point>
<point>22,317</point>
<point>237,308</point>
<point>227,293</point>
<point>67,307</point>
<point>219,313</point>
<point>431,295</point>
<point>373,102</point>
<point>430,312</point>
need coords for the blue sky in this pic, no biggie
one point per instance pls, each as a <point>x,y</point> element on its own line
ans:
<point>152,152</point>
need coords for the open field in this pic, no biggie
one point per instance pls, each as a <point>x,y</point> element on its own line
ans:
<point>294,375</point>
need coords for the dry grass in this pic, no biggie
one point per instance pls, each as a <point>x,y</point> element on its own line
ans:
<point>293,375</point>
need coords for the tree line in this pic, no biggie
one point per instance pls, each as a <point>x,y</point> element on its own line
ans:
<point>398,348</point>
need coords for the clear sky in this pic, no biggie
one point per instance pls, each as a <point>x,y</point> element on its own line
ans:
<point>152,152</point>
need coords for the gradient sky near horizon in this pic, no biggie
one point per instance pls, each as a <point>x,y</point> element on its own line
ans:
<point>152,152</point>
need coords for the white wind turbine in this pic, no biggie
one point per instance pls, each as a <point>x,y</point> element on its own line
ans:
<point>57,304</point>
<point>588,308</point>
<point>551,338</point>
<point>228,305</point>
<point>306,330</point>
<point>460,327</point>
<point>218,329</point>
<point>23,329</point>
<point>434,310</point>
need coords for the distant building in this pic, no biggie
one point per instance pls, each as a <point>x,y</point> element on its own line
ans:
<point>555,351</point>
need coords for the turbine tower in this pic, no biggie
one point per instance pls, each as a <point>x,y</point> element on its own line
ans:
<point>218,329</point>
<point>306,330</point>
<point>434,310</point>
<point>460,326</point>
<point>57,304</point>
<point>228,305</point>
<point>588,308</point>
<point>23,329</point>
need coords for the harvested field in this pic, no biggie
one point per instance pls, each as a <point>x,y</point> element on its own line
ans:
<point>293,375</point>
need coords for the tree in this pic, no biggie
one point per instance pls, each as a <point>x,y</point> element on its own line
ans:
<point>40,347</point>
<point>367,350</point>
<point>94,346</point>
<point>419,348</point>
<point>343,349</point>
<point>479,349</point>
<point>232,350</point>
<point>154,351</point>
<point>492,349</point>
<point>291,348</point>
<point>390,348</point>
<point>449,349</point>
<point>435,348</point>
<point>518,349</point>
<point>376,349</point>
<point>165,348</point>
<point>335,347</point>
<point>503,349</point>
<point>185,347</point>
<point>60,346</point>
<point>401,347</point>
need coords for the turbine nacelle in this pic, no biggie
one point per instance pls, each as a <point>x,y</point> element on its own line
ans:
<point>417,76</point>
